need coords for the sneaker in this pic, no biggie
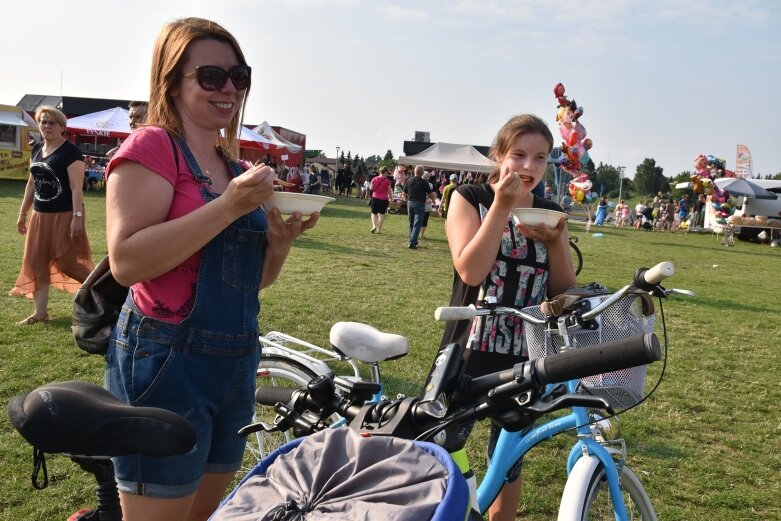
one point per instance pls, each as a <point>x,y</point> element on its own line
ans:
<point>412,246</point>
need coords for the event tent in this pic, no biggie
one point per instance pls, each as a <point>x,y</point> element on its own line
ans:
<point>251,139</point>
<point>449,156</point>
<point>111,123</point>
<point>265,130</point>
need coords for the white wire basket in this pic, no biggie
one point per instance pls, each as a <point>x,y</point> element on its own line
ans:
<point>623,388</point>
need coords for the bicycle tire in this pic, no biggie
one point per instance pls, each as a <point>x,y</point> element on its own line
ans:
<point>577,257</point>
<point>279,372</point>
<point>586,496</point>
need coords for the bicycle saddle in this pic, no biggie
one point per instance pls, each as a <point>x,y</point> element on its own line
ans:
<point>366,343</point>
<point>80,418</point>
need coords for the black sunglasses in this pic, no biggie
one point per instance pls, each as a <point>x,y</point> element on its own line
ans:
<point>212,77</point>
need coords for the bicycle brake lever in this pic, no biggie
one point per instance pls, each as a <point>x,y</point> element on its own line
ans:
<point>676,291</point>
<point>259,426</point>
<point>570,400</point>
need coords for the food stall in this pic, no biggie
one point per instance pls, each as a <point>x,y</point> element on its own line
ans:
<point>18,133</point>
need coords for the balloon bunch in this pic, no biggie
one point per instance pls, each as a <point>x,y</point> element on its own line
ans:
<point>706,170</point>
<point>575,146</point>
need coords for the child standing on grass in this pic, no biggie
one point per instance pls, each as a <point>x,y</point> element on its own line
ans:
<point>519,265</point>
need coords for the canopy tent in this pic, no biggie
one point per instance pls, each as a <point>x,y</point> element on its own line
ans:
<point>251,139</point>
<point>449,156</point>
<point>111,123</point>
<point>265,130</point>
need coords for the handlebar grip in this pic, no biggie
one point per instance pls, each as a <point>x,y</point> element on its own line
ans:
<point>270,395</point>
<point>658,273</point>
<point>448,313</point>
<point>602,358</point>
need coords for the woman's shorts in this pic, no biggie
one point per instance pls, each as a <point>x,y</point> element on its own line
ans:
<point>207,378</point>
<point>379,205</point>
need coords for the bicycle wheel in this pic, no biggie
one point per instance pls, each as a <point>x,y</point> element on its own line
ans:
<point>577,257</point>
<point>276,372</point>
<point>586,495</point>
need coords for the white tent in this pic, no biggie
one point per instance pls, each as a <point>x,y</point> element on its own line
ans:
<point>108,123</point>
<point>251,139</point>
<point>265,130</point>
<point>449,156</point>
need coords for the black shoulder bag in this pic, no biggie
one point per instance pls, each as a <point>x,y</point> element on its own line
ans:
<point>99,301</point>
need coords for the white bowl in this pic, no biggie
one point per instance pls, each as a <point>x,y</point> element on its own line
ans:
<point>289,202</point>
<point>535,216</point>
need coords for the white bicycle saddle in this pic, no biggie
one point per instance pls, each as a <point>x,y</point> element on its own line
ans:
<point>366,343</point>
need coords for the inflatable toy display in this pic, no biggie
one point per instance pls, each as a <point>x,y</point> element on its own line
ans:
<point>575,146</point>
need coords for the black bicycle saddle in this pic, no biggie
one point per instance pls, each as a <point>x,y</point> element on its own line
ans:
<point>80,418</point>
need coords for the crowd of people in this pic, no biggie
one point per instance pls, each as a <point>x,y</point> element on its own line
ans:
<point>659,213</point>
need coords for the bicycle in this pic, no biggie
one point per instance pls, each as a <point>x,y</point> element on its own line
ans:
<point>595,459</point>
<point>82,418</point>
<point>287,361</point>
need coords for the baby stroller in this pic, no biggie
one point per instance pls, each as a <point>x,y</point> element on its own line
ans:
<point>397,205</point>
<point>339,474</point>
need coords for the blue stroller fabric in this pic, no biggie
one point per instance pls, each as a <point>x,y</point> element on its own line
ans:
<point>339,474</point>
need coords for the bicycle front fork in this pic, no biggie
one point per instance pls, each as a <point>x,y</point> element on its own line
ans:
<point>586,448</point>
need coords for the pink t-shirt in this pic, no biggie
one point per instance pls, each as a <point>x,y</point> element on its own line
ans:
<point>379,187</point>
<point>170,296</point>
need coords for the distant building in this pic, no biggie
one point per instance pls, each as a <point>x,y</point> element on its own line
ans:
<point>422,142</point>
<point>71,106</point>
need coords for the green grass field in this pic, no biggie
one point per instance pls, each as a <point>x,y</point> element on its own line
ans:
<point>707,445</point>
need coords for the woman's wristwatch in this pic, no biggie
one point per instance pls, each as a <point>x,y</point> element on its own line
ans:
<point>77,213</point>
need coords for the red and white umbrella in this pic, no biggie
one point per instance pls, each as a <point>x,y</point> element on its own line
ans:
<point>112,123</point>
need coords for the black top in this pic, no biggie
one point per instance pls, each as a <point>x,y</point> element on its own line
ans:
<point>518,278</point>
<point>417,189</point>
<point>50,175</point>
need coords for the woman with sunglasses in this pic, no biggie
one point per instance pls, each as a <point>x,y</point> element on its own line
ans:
<point>56,249</point>
<point>187,233</point>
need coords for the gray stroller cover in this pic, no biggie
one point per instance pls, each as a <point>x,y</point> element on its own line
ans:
<point>339,474</point>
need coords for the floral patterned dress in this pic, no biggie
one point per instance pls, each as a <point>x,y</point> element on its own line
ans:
<point>518,278</point>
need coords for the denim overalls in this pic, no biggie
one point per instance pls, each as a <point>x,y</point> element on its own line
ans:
<point>202,368</point>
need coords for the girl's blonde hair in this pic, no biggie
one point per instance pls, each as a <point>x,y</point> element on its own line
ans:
<point>169,55</point>
<point>516,127</point>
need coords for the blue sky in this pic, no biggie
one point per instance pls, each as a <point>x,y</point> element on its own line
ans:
<point>664,79</point>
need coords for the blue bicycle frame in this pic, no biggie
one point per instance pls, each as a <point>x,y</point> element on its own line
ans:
<point>512,445</point>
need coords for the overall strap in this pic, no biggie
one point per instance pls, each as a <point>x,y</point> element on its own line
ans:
<point>173,147</point>
<point>233,166</point>
<point>192,163</point>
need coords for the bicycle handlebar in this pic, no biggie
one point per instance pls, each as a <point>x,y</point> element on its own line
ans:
<point>601,358</point>
<point>655,275</point>
<point>485,394</point>
<point>645,279</point>
<point>269,395</point>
